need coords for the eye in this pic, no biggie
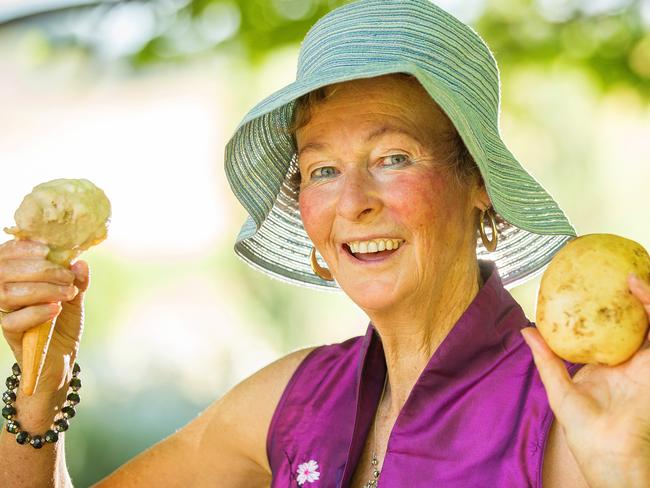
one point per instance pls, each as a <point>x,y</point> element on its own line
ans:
<point>396,159</point>
<point>323,172</point>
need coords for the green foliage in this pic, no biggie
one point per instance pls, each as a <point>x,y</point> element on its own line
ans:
<point>262,26</point>
<point>612,43</point>
<point>613,47</point>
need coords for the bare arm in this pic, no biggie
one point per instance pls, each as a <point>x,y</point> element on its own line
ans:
<point>33,291</point>
<point>24,466</point>
<point>224,446</point>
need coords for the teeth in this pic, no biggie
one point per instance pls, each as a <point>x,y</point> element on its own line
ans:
<point>374,245</point>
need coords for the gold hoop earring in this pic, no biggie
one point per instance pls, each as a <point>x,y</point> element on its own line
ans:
<point>490,245</point>
<point>321,272</point>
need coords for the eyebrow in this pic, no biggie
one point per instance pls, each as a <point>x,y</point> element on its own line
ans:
<point>380,131</point>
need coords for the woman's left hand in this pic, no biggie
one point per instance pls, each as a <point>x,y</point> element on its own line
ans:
<point>605,411</point>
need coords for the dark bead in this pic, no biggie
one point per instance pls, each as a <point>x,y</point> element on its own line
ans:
<point>8,412</point>
<point>76,370</point>
<point>13,427</point>
<point>61,425</point>
<point>73,398</point>
<point>51,436</point>
<point>68,412</point>
<point>37,442</point>
<point>12,382</point>
<point>75,383</point>
<point>16,369</point>
<point>23,437</point>
<point>8,397</point>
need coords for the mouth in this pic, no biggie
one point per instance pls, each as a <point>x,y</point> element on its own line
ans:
<point>370,257</point>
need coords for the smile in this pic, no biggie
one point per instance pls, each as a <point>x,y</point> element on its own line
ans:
<point>374,245</point>
<point>362,253</point>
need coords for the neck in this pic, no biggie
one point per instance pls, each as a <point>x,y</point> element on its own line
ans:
<point>412,331</point>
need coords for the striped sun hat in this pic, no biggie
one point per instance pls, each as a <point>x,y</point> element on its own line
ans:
<point>370,38</point>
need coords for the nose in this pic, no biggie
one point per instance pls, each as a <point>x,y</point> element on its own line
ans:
<point>359,199</point>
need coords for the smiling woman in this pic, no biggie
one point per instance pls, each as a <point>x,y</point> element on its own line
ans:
<point>385,160</point>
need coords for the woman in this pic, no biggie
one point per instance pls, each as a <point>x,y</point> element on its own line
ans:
<point>384,156</point>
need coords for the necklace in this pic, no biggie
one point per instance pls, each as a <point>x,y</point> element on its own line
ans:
<point>372,482</point>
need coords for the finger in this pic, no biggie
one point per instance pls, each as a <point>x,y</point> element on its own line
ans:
<point>18,270</point>
<point>26,318</point>
<point>641,290</point>
<point>18,295</point>
<point>19,248</point>
<point>552,371</point>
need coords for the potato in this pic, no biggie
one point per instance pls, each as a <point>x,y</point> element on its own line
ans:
<point>585,310</point>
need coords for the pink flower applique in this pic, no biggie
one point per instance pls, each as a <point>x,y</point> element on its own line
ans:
<point>308,472</point>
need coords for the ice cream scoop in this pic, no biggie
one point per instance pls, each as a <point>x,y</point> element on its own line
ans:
<point>68,215</point>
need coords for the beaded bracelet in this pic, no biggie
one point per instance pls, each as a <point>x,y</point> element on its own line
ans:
<point>60,423</point>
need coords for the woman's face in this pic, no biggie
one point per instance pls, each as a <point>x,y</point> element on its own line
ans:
<point>371,162</point>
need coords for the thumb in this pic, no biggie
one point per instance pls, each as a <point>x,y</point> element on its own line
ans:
<point>82,280</point>
<point>82,275</point>
<point>553,373</point>
<point>69,323</point>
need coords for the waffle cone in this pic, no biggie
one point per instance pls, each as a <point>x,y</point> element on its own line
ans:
<point>35,344</point>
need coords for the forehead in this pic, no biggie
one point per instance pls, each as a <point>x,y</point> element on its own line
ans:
<point>398,99</point>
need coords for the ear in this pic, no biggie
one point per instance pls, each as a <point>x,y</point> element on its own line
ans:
<point>481,197</point>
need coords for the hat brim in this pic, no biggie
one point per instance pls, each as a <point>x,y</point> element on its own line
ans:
<point>261,157</point>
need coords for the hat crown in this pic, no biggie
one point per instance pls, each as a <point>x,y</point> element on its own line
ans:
<point>413,32</point>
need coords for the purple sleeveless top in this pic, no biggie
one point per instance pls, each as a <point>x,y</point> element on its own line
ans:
<point>478,415</point>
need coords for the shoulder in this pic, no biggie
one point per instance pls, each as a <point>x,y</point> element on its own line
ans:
<point>249,406</point>
<point>225,442</point>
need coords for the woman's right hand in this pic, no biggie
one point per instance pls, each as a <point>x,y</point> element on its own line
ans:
<point>34,290</point>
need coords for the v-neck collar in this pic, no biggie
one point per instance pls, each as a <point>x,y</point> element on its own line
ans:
<point>475,331</point>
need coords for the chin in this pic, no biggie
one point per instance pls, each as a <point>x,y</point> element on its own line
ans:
<point>370,294</point>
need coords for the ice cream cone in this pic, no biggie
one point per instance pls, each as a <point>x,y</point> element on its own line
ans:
<point>69,216</point>
<point>35,344</point>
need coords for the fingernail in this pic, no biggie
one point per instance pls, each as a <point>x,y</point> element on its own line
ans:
<point>78,271</point>
<point>532,343</point>
<point>639,282</point>
<point>55,309</point>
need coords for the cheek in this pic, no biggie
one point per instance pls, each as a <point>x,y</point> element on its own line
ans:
<point>314,215</point>
<point>425,201</point>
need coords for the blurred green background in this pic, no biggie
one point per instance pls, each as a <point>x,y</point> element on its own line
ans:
<point>140,97</point>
